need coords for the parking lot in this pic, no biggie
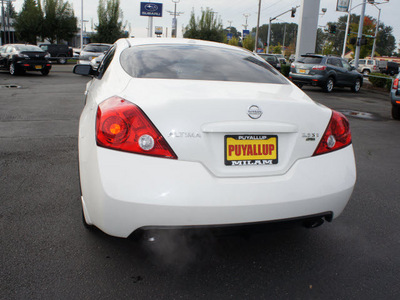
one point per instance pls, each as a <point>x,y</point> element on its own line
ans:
<point>48,254</point>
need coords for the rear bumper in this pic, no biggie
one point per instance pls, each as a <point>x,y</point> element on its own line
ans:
<point>123,192</point>
<point>308,79</point>
<point>395,97</point>
<point>28,65</point>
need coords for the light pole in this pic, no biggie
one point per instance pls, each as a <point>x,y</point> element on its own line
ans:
<point>292,10</point>
<point>376,32</point>
<point>174,20</point>
<point>81,25</point>
<point>347,29</point>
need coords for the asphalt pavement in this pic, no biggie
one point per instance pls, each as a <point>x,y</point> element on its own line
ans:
<point>46,253</point>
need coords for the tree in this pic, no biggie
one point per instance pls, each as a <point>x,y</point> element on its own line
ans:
<point>208,27</point>
<point>385,42</point>
<point>110,27</point>
<point>28,23</point>
<point>279,32</point>
<point>59,21</point>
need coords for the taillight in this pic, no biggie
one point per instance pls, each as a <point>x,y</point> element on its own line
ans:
<point>396,84</point>
<point>292,65</point>
<point>337,135</point>
<point>319,68</point>
<point>121,125</point>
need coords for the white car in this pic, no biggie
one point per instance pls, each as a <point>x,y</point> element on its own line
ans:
<point>179,133</point>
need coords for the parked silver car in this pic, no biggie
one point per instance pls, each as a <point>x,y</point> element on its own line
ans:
<point>91,51</point>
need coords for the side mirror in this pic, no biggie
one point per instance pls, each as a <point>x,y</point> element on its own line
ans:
<point>85,70</point>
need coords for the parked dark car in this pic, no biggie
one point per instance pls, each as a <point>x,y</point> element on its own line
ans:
<point>58,52</point>
<point>19,58</point>
<point>272,60</point>
<point>388,67</point>
<point>395,98</point>
<point>325,72</point>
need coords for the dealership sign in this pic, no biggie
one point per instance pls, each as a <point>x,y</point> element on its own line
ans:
<point>343,5</point>
<point>150,9</point>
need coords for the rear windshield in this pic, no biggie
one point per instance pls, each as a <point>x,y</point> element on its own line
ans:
<point>310,60</point>
<point>197,62</point>
<point>28,48</point>
<point>96,48</point>
<point>269,58</point>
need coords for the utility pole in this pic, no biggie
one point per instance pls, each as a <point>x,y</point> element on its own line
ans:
<point>359,35</point>
<point>284,37</point>
<point>258,25</point>
<point>174,20</point>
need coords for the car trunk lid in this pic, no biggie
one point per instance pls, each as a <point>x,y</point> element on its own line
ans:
<point>232,128</point>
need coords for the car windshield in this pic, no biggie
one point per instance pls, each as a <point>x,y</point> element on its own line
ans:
<point>197,62</point>
<point>310,60</point>
<point>96,48</point>
<point>28,48</point>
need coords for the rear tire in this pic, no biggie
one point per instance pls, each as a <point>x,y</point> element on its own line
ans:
<point>45,72</point>
<point>13,69</point>
<point>62,60</point>
<point>329,85</point>
<point>357,86</point>
<point>396,112</point>
<point>299,85</point>
<point>366,72</point>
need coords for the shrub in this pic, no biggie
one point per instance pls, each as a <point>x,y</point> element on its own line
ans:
<point>285,69</point>
<point>381,80</point>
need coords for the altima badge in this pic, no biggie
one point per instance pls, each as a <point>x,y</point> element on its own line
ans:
<point>254,112</point>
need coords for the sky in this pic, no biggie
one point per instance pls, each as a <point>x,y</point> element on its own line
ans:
<point>229,11</point>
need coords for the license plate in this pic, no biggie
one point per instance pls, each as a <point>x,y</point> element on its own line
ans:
<point>241,150</point>
<point>38,67</point>
<point>302,71</point>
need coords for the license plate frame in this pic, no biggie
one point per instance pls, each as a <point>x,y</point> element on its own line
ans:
<point>250,149</point>
<point>38,67</point>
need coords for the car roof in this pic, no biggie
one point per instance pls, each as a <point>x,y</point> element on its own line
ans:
<point>180,41</point>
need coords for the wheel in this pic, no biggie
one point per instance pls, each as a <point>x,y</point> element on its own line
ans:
<point>329,84</point>
<point>62,60</point>
<point>396,112</point>
<point>366,72</point>
<point>45,72</point>
<point>299,85</point>
<point>357,86</point>
<point>13,69</point>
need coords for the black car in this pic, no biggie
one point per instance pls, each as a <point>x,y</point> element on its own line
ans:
<point>272,60</point>
<point>19,58</point>
<point>388,67</point>
<point>325,72</point>
<point>58,52</point>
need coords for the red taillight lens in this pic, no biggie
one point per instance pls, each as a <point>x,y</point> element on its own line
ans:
<point>293,65</point>
<point>396,84</point>
<point>319,68</point>
<point>121,125</point>
<point>337,135</point>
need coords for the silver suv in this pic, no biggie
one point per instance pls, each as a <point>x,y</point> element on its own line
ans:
<point>366,66</point>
